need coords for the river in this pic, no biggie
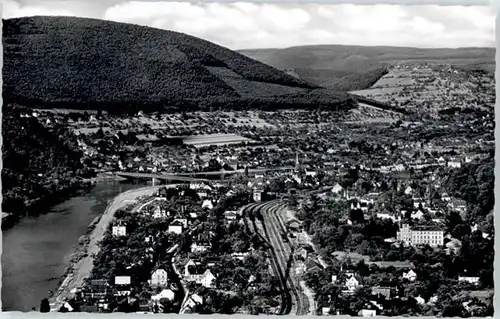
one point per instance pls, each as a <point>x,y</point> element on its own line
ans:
<point>37,249</point>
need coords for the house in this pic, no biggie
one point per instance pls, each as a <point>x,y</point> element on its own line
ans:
<point>352,282</point>
<point>202,194</point>
<point>367,200</point>
<point>122,284</point>
<point>207,204</point>
<point>159,212</point>
<point>200,247</point>
<point>458,205</point>
<point>454,164</point>
<point>230,215</point>
<point>367,313</point>
<point>311,173</point>
<point>257,195</point>
<point>441,161</point>
<point>164,294</point>
<point>175,227</point>
<point>388,216</point>
<point>97,288</point>
<point>445,197</point>
<point>189,266</point>
<point>337,189</point>
<point>159,278</point>
<point>240,256</point>
<point>408,190</point>
<point>207,279</point>
<point>410,275</point>
<point>417,215</point>
<point>433,299</point>
<point>197,186</point>
<point>325,311</point>
<point>312,265</point>
<point>471,280</point>
<point>193,215</point>
<point>192,301</point>
<point>201,274</point>
<point>363,206</point>
<point>233,162</point>
<point>400,168</point>
<point>119,230</point>
<point>417,202</point>
<point>122,280</point>
<point>183,221</point>
<point>294,224</point>
<point>360,205</point>
<point>303,251</point>
<point>421,236</point>
<point>387,292</point>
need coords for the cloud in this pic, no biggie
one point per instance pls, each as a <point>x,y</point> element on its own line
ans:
<point>261,25</point>
<point>12,9</point>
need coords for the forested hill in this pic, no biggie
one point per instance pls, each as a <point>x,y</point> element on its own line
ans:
<point>349,68</point>
<point>38,165</point>
<point>88,63</point>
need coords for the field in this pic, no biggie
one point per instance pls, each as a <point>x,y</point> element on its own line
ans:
<point>93,130</point>
<point>421,87</point>
<point>214,139</point>
<point>250,118</point>
<point>351,68</point>
<point>369,114</point>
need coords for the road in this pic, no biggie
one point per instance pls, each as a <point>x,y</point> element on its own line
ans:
<point>83,268</point>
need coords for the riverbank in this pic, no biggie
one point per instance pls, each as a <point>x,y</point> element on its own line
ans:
<point>81,250</point>
<point>81,263</point>
<point>32,207</point>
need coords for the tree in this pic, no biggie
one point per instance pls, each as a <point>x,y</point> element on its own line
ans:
<point>453,309</point>
<point>45,305</point>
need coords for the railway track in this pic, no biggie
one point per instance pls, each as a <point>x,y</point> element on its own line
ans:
<point>285,295</point>
<point>288,251</point>
<point>271,230</point>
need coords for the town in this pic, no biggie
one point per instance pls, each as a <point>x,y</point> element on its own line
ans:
<point>294,212</point>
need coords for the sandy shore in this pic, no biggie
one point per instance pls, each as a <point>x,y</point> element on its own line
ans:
<point>82,261</point>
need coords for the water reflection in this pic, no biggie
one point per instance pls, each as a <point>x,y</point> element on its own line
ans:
<point>37,249</point>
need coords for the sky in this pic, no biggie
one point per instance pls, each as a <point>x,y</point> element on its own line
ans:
<point>246,25</point>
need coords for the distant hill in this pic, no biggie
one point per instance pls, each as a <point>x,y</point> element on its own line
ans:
<point>356,67</point>
<point>86,63</point>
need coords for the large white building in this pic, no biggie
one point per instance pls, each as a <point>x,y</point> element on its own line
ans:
<point>159,278</point>
<point>119,230</point>
<point>433,237</point>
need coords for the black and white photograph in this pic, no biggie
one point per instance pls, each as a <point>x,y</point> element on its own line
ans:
<point>248,158</point>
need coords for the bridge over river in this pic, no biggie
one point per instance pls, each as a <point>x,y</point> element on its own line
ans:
<point>196,176</point>
<point>162,177</point>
